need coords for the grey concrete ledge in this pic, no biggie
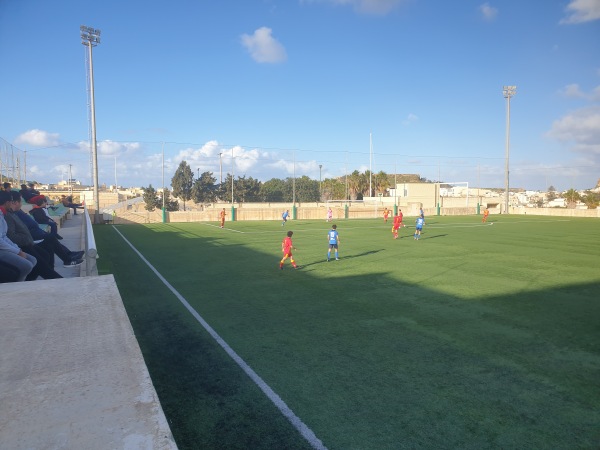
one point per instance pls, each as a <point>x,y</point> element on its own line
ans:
<point>72,375</point>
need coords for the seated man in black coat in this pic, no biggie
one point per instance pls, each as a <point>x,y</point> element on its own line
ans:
<point>49,241</point>
<point>45,261</point>
<point>41,215</point>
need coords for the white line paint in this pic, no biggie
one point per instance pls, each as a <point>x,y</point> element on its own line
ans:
<point>218,226</point>
<point>306,432</point>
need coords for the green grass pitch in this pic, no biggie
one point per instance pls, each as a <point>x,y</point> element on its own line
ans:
<point>476,336</point>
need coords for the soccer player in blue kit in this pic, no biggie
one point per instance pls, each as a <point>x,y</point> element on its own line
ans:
<point>285,216</point>
<point>334,240</point>
<point>418,227</point>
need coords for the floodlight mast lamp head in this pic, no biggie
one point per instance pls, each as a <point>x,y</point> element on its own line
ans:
<point>509,91</point>
<point>89,35</point>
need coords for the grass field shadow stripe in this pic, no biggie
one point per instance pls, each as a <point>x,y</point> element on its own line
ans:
<point>297,423</point>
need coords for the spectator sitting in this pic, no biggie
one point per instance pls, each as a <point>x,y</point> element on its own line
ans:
<point>49,241</point>
<point>10,253</point>
<point>24,192</point>
<point>41,215</point>
<point>68,202</point>
<point>28,191</point>
<point>18,233</point>
<point>7,186</point>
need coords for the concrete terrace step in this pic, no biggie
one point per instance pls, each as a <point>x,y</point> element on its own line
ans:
<point>73,238</point>
<point>72,375</point>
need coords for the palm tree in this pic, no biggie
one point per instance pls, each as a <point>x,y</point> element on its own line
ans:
<point>572,196</point>
<point>354,184</point>
<point>382,182</point>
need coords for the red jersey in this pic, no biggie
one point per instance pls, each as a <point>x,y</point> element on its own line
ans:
<point>286,245</point>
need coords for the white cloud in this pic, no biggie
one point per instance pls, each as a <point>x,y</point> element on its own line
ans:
<point>206,158</point>
<point>580,11</point>
<point>378,7</point>
<point>195,156</point>
<point>582,127</point>
<point>574,91</point>
<point>263,47</point>
<point>488,12</point>
<point>112,148</point>
<point>38,138</point>
<point>411,118</point>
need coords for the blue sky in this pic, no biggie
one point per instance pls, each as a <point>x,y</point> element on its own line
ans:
<point>288,85</point>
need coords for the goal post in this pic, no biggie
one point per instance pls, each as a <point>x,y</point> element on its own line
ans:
<point>455,190</point>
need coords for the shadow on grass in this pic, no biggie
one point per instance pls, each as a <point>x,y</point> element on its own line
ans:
<point>358,255</point>
<point>427,236</point>
<point>364,361</point>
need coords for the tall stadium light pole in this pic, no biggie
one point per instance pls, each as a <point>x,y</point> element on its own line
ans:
<point>232,167</point>
<point>294,179</point>
<point>90,37</point>
<point>320,183</point>
<point>221,168</point>
<point>508,92</point>
<point>370,164</point>
<point>164,214</point>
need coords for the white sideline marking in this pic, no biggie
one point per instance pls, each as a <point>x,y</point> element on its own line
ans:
<point>306,432</point>
<point>218,226</point>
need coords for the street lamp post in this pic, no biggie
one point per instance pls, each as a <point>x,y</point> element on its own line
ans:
<point>90,37</point>
<point>508,92</point>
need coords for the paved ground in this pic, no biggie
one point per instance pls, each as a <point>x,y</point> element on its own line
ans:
<point>72,375</point>
<point>73,238</point>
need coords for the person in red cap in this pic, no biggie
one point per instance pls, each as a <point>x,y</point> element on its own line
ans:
<point>41,215</point>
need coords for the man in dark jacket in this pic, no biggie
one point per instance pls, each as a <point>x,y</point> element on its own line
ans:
<point>45,261</point>
<point>41,216</point>
<point>49,241</point>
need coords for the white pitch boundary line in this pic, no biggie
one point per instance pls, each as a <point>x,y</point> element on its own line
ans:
<point>217,226</point>
<point>304,430</point>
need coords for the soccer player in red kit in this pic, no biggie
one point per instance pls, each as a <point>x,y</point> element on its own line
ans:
<point>222,217</point>
<point>397,223</point>
<point>286,248</point>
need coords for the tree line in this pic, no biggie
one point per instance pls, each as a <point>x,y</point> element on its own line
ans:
<point>204,189</point>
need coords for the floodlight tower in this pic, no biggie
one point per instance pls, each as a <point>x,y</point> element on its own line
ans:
<point>90,37</point>
<point>320,183</point>
<point>508,92</point>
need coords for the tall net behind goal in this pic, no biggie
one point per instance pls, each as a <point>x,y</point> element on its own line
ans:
<point>356,209</point>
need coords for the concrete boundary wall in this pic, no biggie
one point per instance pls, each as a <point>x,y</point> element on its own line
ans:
<point>313,211</point>
<point>72,375</point>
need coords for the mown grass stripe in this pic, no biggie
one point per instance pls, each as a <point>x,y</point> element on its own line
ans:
<point>296,422</point>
